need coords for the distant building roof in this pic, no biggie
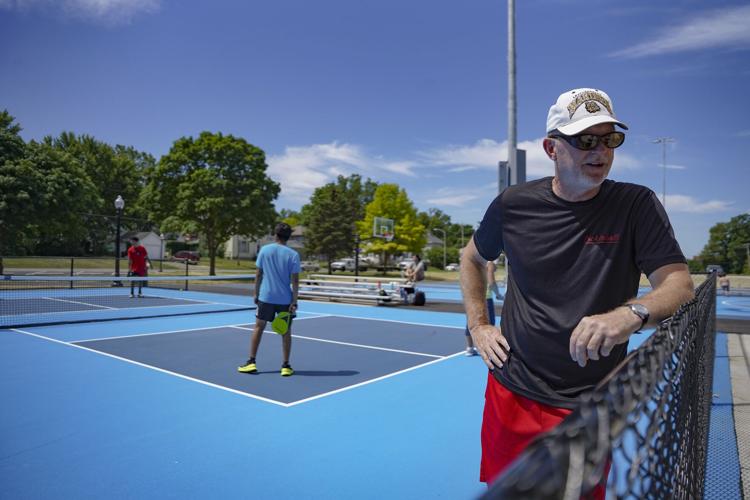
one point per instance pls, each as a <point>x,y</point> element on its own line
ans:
<point>138,234</point>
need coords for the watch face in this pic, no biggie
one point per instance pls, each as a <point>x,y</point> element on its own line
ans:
<point>640,310</point>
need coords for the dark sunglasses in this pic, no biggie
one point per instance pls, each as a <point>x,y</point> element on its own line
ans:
<point>590,141</point>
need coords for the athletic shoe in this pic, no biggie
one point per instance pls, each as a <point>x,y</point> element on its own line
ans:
<point>286,370</point>
<point>471,351</point>
<point>140,295</point>
<point>132,296</point>
<point>248,367</point>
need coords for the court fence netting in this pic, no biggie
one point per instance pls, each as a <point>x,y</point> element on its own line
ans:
<point>649,419</point>
<point>47,300</point>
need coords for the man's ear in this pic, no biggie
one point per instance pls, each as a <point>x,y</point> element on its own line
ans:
<point>550,147</point>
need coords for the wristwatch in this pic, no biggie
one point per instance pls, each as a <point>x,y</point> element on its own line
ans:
<point>640,311</point>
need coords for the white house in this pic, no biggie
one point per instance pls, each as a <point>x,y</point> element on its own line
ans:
<point>242,247</point>
<point>150,240</point>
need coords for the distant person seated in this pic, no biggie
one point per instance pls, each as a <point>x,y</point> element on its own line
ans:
<point>724,283</point>
<point>413,274</point>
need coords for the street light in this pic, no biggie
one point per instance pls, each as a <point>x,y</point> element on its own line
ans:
<point>438,229</point>
<point>161,253</point>
<point>119,205</point>
<point>663,141</point>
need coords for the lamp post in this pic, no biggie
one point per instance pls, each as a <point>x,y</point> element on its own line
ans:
<point>119,205</point>
<point>663,141</point>
<point>161,253</point>
<point>438,229</point>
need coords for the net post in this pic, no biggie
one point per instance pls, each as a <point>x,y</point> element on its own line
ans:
<point>187,272</point>
<point>72,259</point>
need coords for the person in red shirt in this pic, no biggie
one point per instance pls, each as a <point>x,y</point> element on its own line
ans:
<point>138,264</point>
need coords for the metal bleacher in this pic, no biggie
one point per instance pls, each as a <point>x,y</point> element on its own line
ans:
<point>352,289</point>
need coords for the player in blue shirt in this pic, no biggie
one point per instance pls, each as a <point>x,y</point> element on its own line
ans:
<point>276,290</point>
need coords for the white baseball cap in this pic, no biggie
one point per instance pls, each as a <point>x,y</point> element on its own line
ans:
<point>578,109</point>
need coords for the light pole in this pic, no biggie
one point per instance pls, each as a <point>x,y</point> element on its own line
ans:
<point>512,157</point>
<point>438,229</point>
<point>119,205</point>
<point>161,253</point>
<point>663,141</point>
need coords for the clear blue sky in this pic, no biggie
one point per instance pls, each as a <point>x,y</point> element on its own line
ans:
<point>412,92</point>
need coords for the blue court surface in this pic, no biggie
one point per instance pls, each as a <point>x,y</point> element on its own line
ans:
<point>383,404</point>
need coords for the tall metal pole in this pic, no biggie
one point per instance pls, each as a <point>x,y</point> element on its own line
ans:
<point>663,141</point>
<point>512,92</point>
<point>119,205</point>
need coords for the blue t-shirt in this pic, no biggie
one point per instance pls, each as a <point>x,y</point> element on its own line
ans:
<point>278,263</point>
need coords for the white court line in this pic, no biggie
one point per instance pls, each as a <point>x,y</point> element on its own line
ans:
<point>244,307</point>
<point>729,303</point>
<point>396,321</point>
<point>233,325</point>
<point>366,382</point>
<point>155,333</point>
<point>249,395</point>
<point>77,302</point>
<point>348,344</point>
<point>150,367</point>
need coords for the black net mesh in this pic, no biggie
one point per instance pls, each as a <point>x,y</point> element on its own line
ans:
<point>649,419</point>
<point>45,300</point>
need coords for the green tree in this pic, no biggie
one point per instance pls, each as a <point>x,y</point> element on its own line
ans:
<point>291,217</point>
<point>726,245</point>
<point>42,196</point>
<point>392,202</point>
<point>216,186</point>
<point>454,236</point>
<point>11,143</point>
<point>330,224</point>
<point>435,256</point>
<point>114,171</point>
<point>434,217</point>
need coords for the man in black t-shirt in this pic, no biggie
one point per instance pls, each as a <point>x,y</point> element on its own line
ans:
<point>576,246</point>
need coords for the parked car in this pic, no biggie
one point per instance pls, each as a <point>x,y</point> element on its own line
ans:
<point>309,265</point>
<point>451,267</point>
<point>186,255</point>
<point>714,267</point>
<point>347,265</point>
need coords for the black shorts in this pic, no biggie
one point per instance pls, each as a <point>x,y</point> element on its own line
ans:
<point>267,311</point>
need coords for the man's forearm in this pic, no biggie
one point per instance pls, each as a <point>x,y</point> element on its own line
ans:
<point>258,281</point>
<point>473,286</point>
<point>295,288</point>
<point>670,292</point>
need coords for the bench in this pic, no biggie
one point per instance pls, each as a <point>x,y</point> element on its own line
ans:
<point>324,286</point>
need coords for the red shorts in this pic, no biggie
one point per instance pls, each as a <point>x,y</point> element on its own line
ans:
<point>510,423</point>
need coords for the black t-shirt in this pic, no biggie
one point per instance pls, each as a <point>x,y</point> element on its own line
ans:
<point>567,260</point>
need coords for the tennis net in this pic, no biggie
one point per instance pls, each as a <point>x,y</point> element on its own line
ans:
<point>44,300</point>
<point>649,419</point>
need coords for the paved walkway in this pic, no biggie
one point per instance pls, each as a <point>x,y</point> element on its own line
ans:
<point>739,365</point>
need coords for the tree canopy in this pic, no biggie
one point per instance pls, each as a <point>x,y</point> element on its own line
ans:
<point>41,198</point>
<point>214,185</point>
<point>114,171</point>
<point>331,215</point>
<point>392,202</point>
<point>726,246</point>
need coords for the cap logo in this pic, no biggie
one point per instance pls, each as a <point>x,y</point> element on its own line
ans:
<point>589,97</point>
<point>592,107</point>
